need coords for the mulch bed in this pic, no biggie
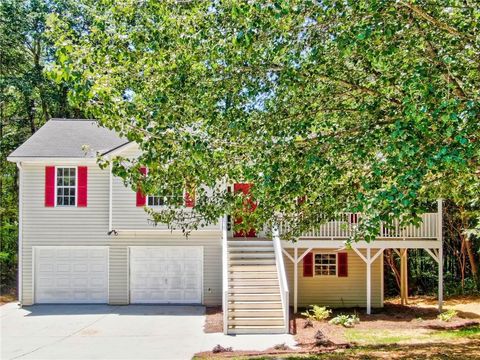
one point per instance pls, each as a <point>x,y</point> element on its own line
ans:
<point>269,352</point>
<point>391,317</point>
<point>214,320</point>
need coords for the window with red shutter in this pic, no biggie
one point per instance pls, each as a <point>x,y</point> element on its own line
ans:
<point>82,177</point>
<point>342,264</point>
<point>190,199</point>
<point>141,197</point>
<point>49,186</point>
<point>308,265</point>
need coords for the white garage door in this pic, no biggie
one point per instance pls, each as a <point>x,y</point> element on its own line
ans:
<point>65,274</point>
<point>166,274</point>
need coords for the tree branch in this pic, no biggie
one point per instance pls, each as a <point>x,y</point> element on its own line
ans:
<point>421,13</point>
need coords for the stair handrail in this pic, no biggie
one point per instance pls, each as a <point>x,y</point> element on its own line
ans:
<point>225,273</point>
<point>284,294</point>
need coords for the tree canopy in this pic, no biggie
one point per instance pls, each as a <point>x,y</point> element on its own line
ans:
<point>364,106</point>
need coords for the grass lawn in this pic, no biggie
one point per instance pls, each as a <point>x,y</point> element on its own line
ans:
<point>370,337</point>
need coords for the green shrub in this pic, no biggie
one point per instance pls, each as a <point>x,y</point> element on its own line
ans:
<point>317,313</point>
<point>447,315</point>
<point>345,320</point>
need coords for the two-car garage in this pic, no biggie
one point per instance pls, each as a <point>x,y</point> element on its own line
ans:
<point>157,274</point>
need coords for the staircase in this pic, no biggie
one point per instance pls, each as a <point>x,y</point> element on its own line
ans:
<point>254,300</point>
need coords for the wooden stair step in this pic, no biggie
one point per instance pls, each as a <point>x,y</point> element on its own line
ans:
<point>243,243</point>
<point>256,268</point>
<point>254,290</point>
<point>250,255</point>
<point>253,282</point>
<point>254,297</point>
<point>254,313</point>
<point>234,330</point>
<point>247,305</point>
<point>252,262</point>
<point>240,249</point>
<point>256,321</point>
<point>253,275</point>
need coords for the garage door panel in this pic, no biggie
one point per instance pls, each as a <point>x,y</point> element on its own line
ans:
<point>44,268</point>
<point>80,268</point>
<point>71,275</point>
<point>174,267</point>
<point>190,295</point>
<point>62,268</point>
<point>166,275</point>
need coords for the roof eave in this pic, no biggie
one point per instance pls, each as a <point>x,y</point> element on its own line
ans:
<point>46,159</point>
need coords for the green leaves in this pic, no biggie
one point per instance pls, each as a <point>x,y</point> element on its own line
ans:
<point>359,105</point>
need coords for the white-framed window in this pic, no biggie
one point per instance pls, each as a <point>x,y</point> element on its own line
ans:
<point>325,264</point>
<point>173,197</point>
<point>66,186</point>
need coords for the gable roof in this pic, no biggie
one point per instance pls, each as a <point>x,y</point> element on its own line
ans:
<point>69,138</point>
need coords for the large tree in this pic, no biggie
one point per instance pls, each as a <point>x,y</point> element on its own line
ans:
<point>28,98</point>
<point>368,106</point>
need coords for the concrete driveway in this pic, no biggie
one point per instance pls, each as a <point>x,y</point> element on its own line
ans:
<point>115,332</point>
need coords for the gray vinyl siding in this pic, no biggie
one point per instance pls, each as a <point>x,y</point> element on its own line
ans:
<point>336,291</point>
<point>61,226</point>
<point>128,216</point>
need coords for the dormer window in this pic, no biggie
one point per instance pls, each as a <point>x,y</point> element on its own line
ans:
<point>66,186</point>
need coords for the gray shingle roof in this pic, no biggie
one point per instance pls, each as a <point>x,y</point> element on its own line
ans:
<point>69,138</point>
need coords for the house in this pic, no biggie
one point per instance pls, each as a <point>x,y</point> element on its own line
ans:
<point>85,238</point>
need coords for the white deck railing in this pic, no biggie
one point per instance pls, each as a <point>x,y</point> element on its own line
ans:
<point>282,277</point>
<point>225,274</point>
<point>344,227</point>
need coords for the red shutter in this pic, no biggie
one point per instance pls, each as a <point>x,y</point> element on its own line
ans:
<point>141,197</point>
<point>251,206</point>
<point>308,265</point>
<point>82,179</point>
<point>189,199</point>
<point>342,264</point>
<point>49,186</point>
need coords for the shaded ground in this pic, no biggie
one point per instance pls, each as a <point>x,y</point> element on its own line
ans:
<point>8,296</point>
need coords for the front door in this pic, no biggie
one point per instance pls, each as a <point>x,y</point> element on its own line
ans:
<point>245,189</point>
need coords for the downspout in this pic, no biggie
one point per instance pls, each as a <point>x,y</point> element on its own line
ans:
<point>20,233</point>
<point>110,200</point>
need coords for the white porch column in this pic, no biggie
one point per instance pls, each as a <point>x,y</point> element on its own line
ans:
<point>440,278</point>
<point>440,253</point>
<point>295,280</point>
<point>369,282</point>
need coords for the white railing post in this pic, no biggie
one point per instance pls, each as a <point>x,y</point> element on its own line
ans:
<point>440,253</point>
<point>225,274</point>
<point>282,277</point>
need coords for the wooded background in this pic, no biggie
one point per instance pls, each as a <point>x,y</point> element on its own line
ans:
<point>31,94</point>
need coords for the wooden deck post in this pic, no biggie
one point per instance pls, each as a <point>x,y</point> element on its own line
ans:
<point>404,276</point>
<point>369,282</point>
<point>295,280</point>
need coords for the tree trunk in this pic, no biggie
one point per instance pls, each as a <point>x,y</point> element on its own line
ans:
<point>30,107</point>
<point>473,262</point>
<point>389,259</point>
<point>468,247</point>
